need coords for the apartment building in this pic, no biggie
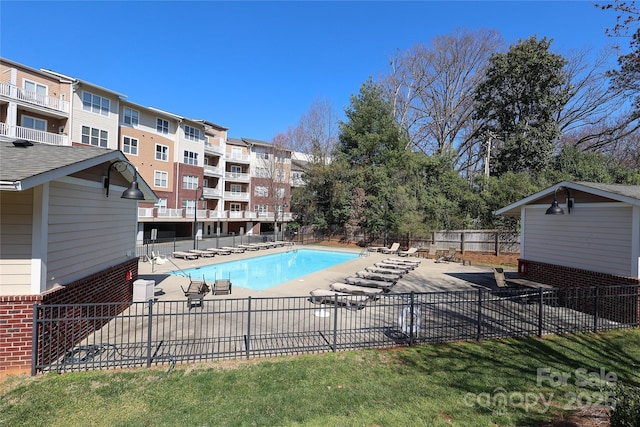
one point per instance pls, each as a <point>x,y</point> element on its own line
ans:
<point>207,183</point>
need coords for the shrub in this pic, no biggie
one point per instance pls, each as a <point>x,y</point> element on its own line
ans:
<point>626,412</point>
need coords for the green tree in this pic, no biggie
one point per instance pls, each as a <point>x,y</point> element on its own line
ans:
<point>523,91</point>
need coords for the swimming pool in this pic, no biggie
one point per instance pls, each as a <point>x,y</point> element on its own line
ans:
<point>263,272</point>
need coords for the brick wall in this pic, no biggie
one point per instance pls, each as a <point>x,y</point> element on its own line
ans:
<point>114,284</point>
<point>612,301</point>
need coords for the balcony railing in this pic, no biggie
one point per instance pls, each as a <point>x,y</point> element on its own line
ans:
<point>213,170</point>
<point>211,192</point>
<point>186,214</point>
<point>15,92</point>
<point>238,158</point>
<point>169,213</point>
<point>233,195</point>
<point>145,212</point>
<point>213,149</point>
<point>19,132</point>
<point>238,177</point>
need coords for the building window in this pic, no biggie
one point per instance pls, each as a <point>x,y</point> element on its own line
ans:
<point>189,182</point>
<point>236,189</point>
<point>161,179</point>
<point>189,205</point>
<point>35,91</point>
<point>191,133</point>
<point>95,104</point>
<point>93,136</point>
<point>190,158</point>
<point>130,145</point>
<point>280,175</point>
<point>262,173</point>
<point>260,208</point>
<point>260,191</point>
<point>162,152</point>
<point>162,204</point>
<point>280,193</point>
<point>235,207</point>
<point>162,126</point>
<point>131,117</point>
<point>262,153</point>
<point>33,123</point>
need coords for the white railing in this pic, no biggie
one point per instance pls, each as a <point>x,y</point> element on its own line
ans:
<point>250,214</point>
<point>266,215</point>
<point>234,157</point>
<point>232,195</point>
<point>213,170</point>
<point>218,214</point>
<point>236,214</point>
<point>211,192</point>
<point>169,213</point>
<point>145,212</point>
<point>15,92</point>
<point>33,135</point>
<point>213,149</point>
<point>235,176</point>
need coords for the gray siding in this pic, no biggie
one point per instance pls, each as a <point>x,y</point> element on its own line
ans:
<point>591,238</point>
<point>15,245</point>
<point>88,232</point>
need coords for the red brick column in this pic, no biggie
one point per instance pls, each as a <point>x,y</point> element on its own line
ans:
<point>16,331</point>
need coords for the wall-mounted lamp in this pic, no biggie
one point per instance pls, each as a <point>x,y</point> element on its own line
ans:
<point>133,192</point>
<point>557,210</point>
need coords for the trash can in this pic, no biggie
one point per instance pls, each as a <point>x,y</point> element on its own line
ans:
<point>143,290</point>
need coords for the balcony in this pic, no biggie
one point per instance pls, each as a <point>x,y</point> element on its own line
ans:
<point>213,149</point>
<point>186,215</point>
<point>169,213</point>
<point>145,212</point>
<point>32,98</point>
<point>213,171</point>
<point>237,158</point>
<point>237,177</point>
<point>296,182</point>
<point>211,193</point>
<point>236,196</point>
<point>32,135</point>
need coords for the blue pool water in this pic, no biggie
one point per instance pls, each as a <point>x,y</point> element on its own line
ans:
<point>263,272</point>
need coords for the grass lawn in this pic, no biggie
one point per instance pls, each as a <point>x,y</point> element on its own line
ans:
<point>490,383</point>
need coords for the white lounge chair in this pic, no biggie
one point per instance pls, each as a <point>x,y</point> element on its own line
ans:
<point>392,250</point>
<point>374,269</point>
<point>355,289</point>
<point>204,254</point>
<point>324,296</point>
<point>370,283</point>
<point>407,261</point>
<point>408,252</point>
<point>184,255</point>
<point>407,265</point>
<point>233,250</point>
<point>401,269</point>
<point>378,276</point>
<point>219,251</point>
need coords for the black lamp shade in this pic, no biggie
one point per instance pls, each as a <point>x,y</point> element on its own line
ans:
<point>554,209</point>
<point>133,192</point>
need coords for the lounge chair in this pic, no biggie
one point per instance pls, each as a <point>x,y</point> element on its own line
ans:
<point>401,269</point>
<point>405,265</point>
<point>392,250</point>
<point>370,283</point>
<point>233,250</point>
<point>204,254</point>
<point>157,259</point>
<point>374,269</point>
<point>355,289</point>
<point>408,252</point>
<point>376,248</point>
<point>219,251</point>
<point>449,256</point>
<point>249,247</point>
<point>184,255</point>
<point>432,252</point>
<point>284,243</point>
<point>324,296</point>
<point>413,261</point>
<point>195,292</point>
<point>498,274</point>
<point>378,276</point>
<point>221,287</point>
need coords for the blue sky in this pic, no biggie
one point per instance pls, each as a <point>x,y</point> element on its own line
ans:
<point>256,67</point>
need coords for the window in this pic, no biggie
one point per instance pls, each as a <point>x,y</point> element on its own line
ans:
<point>262,153</point>
<point>260,208</point>
<point>189,206</point>
<point>191,133</point>
<point>160,179</point>
<point>34,123</point>
<point>130,145</point>
<point>162,125</point>
<point>162,204</point>
<point>190,158</point>
<point>189,182</point>
<point>235,207</point>
<point>35,91</point>
<point>236,189</point>
<point>93,136</point>
<point>236,169</point>
<point>280,193</point>
<point>95,104</point>
<point>131,117</point>
<point>279,174</point>
<point>262,173</point>
<point>162,152</point>
<point>261,191</point>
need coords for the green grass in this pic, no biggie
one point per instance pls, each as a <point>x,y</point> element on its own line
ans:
<point>422,386</point>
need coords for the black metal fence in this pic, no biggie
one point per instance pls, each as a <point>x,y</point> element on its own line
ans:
<point>91,336</point>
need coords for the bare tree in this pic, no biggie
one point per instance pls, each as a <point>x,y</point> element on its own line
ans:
<point>432,90</point>
<point>316,132</point>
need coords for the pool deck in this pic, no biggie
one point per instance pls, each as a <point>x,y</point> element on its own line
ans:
<point>428,277</point>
